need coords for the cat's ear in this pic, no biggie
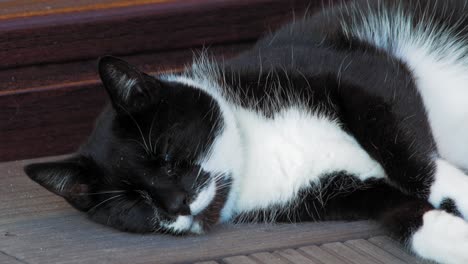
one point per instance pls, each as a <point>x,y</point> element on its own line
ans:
<point>130,90</point>
<point>68,178</point>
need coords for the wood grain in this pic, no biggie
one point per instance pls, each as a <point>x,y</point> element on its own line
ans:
<point>339,254</point>
<point>48,84</point>
<point>139,28</point>
<point>6,259</point>
<point>48,120</point>
<point>363,246</point>
<point>395,249</point>
<point>268,258</point>
<point>39,227</point>
<point>26,8</point>
<point>349,255</point>
<point>321,255</point>
<point>54,115</point>
<point>295,256</point>
<point>239,260</point>
<point>57,74</point>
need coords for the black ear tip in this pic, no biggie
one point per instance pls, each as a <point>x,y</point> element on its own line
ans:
<point>106,60</point>
<point>108,64</point>
<point>109,59</point>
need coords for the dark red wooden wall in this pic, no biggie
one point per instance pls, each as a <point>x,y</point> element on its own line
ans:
<point>49,90</point>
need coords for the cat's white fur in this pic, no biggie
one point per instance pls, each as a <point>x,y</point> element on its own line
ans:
<point>442,238</point>
<point>437,58</point>
<point>181,224</point>
<point>450,182</point>
<point>255,150</point>
<point>204,198</point>
<point>289,152</point>
<point>270,160</point>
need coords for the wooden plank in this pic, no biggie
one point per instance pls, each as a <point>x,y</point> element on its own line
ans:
<point>267,258</point>
<point>60,74</point>
<point>62,239</point>
<point>40,238</point>
<point>6,259</point>
<point>60,234</point>
<point>141,28</point>
<point>239,260</point>
<point>365,247</point>
<point>359,251</point>
<point>347,253</point>
<point>396,249</point>
<point>50,120</point>
<point>24,8</point>
<point>323,256</point>
<point>58,117</point>
<point>296,257</point>
<point>48,70</point>
<point>20,198</point>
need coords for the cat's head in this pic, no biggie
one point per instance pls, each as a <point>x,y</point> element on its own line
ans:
<point>157,160</point>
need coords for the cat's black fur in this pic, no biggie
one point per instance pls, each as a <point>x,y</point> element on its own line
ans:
<point>149,143</point>
<point>118,157</point>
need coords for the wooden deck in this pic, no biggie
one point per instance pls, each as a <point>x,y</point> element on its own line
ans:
<point>50,95</point>
<point>38,227</point>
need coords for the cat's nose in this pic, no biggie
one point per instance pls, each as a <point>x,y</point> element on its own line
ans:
<point>175,203</point>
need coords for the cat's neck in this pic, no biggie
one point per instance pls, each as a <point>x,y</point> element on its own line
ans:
<point>226,156</point>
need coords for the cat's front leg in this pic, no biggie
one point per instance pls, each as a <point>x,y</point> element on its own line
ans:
<point>430,233</point>
<point>442,237</point>
<point>444,186</point>
<point>449,189</point>
<point>397,134</point>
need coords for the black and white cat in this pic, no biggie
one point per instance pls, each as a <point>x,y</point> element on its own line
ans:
<point>357,112</point>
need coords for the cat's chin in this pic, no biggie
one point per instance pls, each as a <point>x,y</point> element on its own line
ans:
<point>205,208</point>
<point>211,214</point>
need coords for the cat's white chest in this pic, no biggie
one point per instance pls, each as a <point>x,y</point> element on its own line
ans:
<point>290,152</point>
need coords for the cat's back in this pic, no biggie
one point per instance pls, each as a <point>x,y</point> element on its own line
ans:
<point>431,38</point>
<point>388,48</point>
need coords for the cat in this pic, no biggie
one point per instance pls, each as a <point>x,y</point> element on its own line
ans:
<point>358,111</point>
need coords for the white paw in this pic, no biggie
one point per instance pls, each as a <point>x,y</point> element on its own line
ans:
<point>442,238</point>
<point>452,183</point>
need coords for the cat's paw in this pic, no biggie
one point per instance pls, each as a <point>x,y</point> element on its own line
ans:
<point>443,237</point>
<point>449,191</point>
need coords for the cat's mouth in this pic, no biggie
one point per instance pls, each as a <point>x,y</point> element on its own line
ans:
<point>205,209</point>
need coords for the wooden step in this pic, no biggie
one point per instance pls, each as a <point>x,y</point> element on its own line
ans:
<point>39,227</point>
<point>49,90</point>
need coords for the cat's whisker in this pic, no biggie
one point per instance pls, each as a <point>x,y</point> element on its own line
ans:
<point>139,128</point>
<point>196,178</point>
<point>139,143</point>
<point>221,186</point>
<point>151,133</point>
<point>106,192</point>
<point>105,201</point>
